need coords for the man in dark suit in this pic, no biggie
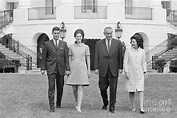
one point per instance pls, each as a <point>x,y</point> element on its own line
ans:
<point>55,61</point>
<point>108,64</point>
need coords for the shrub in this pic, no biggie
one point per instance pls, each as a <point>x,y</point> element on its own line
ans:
<point>160,63</point>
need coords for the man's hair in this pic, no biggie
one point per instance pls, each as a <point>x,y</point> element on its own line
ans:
<point>55,28</point>
<point>107,28</point>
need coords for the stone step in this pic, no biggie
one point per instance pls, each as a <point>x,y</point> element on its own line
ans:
<point>22,69</point>
<point>167,56</point>
<point>170,53</point>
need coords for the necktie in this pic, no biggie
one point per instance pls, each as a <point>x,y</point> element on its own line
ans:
<point>56,43</point>
<point>108,44</point>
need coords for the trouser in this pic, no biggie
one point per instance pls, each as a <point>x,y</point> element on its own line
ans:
<point>108,81</point>
<point>51,90</point>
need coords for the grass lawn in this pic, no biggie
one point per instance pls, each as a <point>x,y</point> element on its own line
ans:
<point>25,96</point>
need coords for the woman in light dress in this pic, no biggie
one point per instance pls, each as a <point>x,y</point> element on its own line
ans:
<point>79,60</point>
<point>135,71</point>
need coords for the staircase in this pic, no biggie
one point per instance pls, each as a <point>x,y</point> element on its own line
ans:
<point>166,50</point>
<point>170,54</point>
<point>14,50</point>
<point>23,61</point>
<point>167,56</point>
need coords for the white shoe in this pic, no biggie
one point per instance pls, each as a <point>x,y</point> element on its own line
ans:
<point>79,110</point>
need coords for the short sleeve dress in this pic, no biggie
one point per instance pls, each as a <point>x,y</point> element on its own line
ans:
<point>78,68</point>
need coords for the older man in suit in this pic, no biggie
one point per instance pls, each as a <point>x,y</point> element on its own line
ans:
<point>55,60</point>
<point>108,64</point>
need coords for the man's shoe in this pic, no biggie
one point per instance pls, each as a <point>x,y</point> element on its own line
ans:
<point>58,106</point>
<point>104,107</point>
<point>112,111</point>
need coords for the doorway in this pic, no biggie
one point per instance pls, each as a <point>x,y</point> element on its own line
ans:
<point>91,43</point>
<point>40,46</point>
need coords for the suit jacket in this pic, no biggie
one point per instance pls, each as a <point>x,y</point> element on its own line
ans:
<point>113,58</point>
<point>55,56</point>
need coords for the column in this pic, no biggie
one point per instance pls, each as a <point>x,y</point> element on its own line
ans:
<point>66,2</point>
<point>158,13</point>
<point>115,10</point>
<point>24,3</point>
<point>173,4</point>
<point>65,11</point>
<point>156,3</point>
<point>21,13</point>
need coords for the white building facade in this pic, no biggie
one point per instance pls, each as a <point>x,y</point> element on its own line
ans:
<point>33,19</point>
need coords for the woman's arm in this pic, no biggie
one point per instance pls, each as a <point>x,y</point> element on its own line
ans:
<point>70,58</point>
<point>88,60</point>
<point>70,55</point>
<point>125,64</point>
<point>143,62</point>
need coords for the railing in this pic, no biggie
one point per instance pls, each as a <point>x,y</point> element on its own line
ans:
<point>41,13</point>
<point>90,12</point>
<point>28,62</point>
<point>5,17</point>
<point>172,16</point>
<point>158,48</point>
<point>138,13</point>
<point>162,48</point>
<point>21,50</point>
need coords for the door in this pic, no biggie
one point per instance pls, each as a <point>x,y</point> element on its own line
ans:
<point>91,43</point>
<point>40,46</point>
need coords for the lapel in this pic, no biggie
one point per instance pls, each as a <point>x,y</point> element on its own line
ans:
<point>59,44</point>
<point>52,43</point>
<point>104,45</point>
<point>112,45</point>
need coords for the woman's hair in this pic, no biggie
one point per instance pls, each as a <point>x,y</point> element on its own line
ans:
<point>80,31</point>
<point>138,39</point>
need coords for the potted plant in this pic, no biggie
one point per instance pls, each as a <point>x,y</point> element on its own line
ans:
<point>160,64</point>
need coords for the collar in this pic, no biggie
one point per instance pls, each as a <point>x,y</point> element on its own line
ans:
<point>55,40</point>
<point>136,49</point>
<point>109,39</point>
<point>79,45</point>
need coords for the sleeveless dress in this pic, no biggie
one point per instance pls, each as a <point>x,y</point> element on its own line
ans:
<point>78,68</point>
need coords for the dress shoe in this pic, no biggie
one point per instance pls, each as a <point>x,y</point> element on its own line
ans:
<point>79,110</point>
<point>57,106</point>
<point>104,107</point>
<point>142,111</point>
<point>112,111</point>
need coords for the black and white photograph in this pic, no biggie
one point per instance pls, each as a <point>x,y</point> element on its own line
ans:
<point>88,58</point>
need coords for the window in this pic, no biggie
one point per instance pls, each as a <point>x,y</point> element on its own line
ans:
<point>89,6</point>
<point>49,7</point>
<point>128,6</point>
<point>165,4</point>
